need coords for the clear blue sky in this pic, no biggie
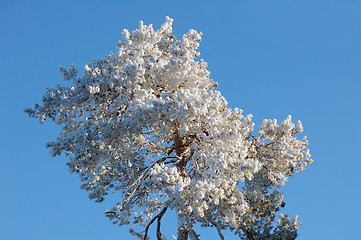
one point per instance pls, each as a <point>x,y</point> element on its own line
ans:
<point>271,58</point>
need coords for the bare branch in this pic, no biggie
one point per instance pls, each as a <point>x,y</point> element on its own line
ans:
<point>218,229</point>
<point>220,233</point>
<point>159,217</point>
<point>159,234</point>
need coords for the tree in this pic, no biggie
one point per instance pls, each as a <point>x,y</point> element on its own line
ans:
<point>147,122</point>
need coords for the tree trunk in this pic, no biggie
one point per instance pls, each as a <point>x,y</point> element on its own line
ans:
<point>180,147</point>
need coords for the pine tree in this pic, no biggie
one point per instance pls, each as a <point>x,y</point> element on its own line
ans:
<point>148,122</point>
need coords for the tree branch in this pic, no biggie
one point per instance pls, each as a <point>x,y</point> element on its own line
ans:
<point>138,183</point>
<point>159,234</point>
<point>193,235</point>
<point>218,230</point>
<point>159,217</point>
<point>139,180</point>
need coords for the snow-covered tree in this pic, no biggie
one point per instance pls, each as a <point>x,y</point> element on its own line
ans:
<point>147,122</point>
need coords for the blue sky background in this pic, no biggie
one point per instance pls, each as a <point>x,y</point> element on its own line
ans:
<point>271,58</point>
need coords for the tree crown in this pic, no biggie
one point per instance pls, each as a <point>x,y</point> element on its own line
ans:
<point>147,122</point>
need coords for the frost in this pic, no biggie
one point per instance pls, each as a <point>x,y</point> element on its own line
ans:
<point>94,89</point>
